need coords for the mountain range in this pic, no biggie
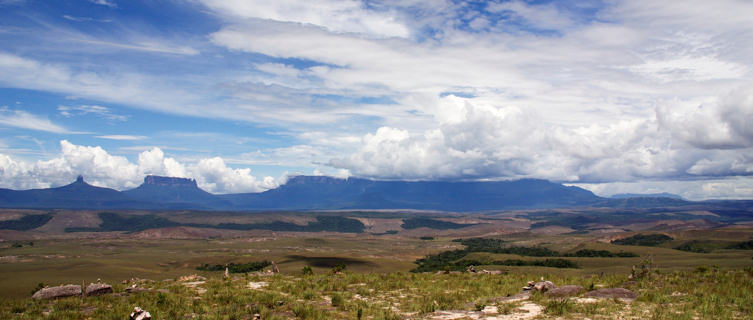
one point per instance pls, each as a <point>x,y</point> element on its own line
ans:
<point>326,193</point>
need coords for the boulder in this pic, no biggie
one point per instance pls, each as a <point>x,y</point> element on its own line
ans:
<point>95,289</point>
<point>58,292</point>
<point>544,286</point>
<point>541,286</point>
<point>612,293</point>
<point>139,314</point>
<point>565,291</point>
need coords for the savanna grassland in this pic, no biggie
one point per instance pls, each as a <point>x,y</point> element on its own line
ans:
<point>378,274</point>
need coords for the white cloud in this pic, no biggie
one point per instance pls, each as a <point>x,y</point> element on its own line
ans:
<point>641,91</point>
<point>719,188</point>
<point>475,140</point>
<point>122,137</point>
<point>108,3</point>
<point>348,16</point>
<point>100,111</point>
<point>148,46</point>
<point>103,169</point>
<point>25,120</point>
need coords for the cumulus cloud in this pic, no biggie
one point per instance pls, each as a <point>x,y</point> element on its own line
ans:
<point>719,123</point>
<point>475,140</point>
<point>103,169</point>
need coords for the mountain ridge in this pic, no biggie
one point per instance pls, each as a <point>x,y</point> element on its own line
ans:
<point>325,193</point>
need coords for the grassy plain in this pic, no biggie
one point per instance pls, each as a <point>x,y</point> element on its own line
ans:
<point>377,281</point>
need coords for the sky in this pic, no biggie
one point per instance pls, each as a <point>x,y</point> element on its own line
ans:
<point>631,96</point>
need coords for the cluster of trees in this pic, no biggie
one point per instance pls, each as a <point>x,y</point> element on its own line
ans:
<point>236,267</point>
<point>454,259</point>
<point>27,222</point>
<point>415,223</point>
<point>134,223</point>
<point>646,240</point>
<point>745,245</point>
<point>588,253</point>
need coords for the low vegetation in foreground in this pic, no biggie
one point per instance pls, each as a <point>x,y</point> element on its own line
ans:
<point>704,293</point>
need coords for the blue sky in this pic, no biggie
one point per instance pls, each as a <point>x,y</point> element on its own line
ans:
<point>614,96</point>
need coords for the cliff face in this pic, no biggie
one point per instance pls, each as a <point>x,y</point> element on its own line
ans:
<point>169,181</point>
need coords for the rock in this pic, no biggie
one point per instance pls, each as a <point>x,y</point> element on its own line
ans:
<point>612,293</point>
<point>544,286</point>
<point>58,292</point>
<point>566,291</point>
<point>95,289</point>
<point>483,271</point>
<point>139,314</point>
<point>134,289</point>
<point>191,278</point>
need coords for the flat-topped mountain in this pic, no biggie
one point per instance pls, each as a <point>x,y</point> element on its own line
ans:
<point>170,181</point>
<point>177,193</point>
<point>319,192</point>
<point>326,193</point>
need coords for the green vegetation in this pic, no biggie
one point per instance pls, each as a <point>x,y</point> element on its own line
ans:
<point>497,246</point>
<point>601,254</point>
<point>133,223</point>
<point>307,271</point>
<point>415,223</point>
<point>323,223</point>
<point>339,267</point>
<point>26,222</point>
<point>646,240</point>
<point>745,245</point>
<point>386,233</point>
<point>236,267</point>
<point>455,260</point>
<point>427,238</point>
<point>694,246</point>
<point>711,294</point>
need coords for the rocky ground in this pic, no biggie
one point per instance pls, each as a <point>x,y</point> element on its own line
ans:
<point>701,294</point>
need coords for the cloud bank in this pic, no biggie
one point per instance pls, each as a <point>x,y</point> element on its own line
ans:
<point>103,169</point>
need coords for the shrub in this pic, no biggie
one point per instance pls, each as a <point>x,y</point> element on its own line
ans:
<point>307,271</point>
<point>339,267</point>
<point>337,300</point>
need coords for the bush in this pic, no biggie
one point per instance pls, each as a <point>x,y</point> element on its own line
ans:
<point>337,300</point>
<point>307,271</point>
<point>339,267</point>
